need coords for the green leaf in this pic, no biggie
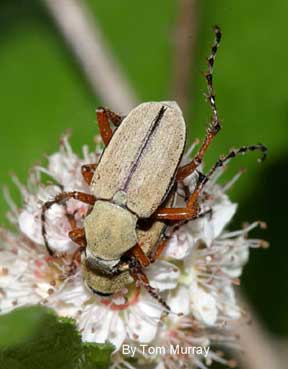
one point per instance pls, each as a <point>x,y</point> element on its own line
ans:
<point>96,355</point>
<point>17,325</point>
<point>53,343</point>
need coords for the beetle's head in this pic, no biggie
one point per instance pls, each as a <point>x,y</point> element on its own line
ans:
<point>104,285</point>
<point>110,231</point>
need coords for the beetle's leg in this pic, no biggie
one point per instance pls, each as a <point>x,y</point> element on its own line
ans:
<point>103,117</point>
<point>215,125</point>
<point>77,235</point>
<point>192,210</point>
<point>160,247</point>
<point>104,126</point>
<point>141,279</point>
<point>155,254</point>
<point>61,198</point>
<point>87,172</point>
<point>139,254</point>
<point>201,214</point>
<point>71,219</point>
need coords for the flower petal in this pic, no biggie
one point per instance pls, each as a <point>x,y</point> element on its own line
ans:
<point>203,305</point>
<point>163,275</point>
<point>142,319</point>
<point>99,324</point>
<point>178,301</point>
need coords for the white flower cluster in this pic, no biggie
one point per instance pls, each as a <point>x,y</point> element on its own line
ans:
<point>195,275</point>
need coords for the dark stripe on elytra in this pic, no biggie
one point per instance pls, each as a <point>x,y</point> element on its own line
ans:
<point>153,127</point>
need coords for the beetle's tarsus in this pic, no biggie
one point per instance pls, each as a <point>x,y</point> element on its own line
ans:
<point>141,278</point>
<point>155,294</point>
<point>45,207</point>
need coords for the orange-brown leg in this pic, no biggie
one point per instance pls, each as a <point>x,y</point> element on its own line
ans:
<point>189,168</point>
<point>87,172</point>
<point>177,214</point>
<point>160,247</point>
<point>215,125</point>
<point>192,210</point>
<point>77,235</point>
<point>103,117</point>
<point>64,196</point>
<point>59,199</point>
<point>71,220</point>
<point>139,254</point>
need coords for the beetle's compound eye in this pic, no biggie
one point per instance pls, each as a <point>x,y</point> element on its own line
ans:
<point>103,294</point>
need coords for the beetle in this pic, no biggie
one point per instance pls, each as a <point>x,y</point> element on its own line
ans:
<point>135,182</point>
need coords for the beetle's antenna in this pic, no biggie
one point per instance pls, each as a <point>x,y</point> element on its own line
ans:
<point>232,154</point>
<point>215,124</point>
<point>242,150</point>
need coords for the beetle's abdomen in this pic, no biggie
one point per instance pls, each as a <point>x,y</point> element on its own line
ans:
<point>142,157</point>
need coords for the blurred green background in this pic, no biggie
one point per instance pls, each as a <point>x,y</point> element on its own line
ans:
<point>44,92</point>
